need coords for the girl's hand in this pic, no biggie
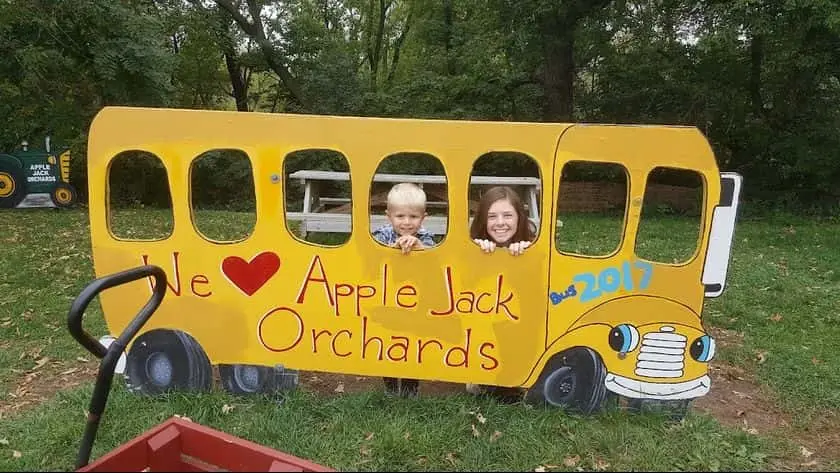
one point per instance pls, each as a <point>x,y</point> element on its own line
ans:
<point>487,246</point>
<point>519,247</point>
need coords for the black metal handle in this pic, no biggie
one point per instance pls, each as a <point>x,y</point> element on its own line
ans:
<point>110,356</point>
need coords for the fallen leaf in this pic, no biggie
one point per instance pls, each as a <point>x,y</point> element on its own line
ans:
<point>495,436</point>
<point>805,452</point>
<point>601,464</point>
<point>4,441</point>
<point>226,408</point>
<point>450,457</point>
<point>815,360</point>
<point>761,357</point>
<point>407,435</point>
<point>776,317</point>
<point>339,388</point>
<point>752,431</point>
<point>364,450</point>
<point>369,436</point>
<point>480,418</point>
<point>810,463</point>
<point>539,468</point>
<point>740,414</point>
<point>571,461</point>
<point>16,454</point>
<point>82,359</point>
<point>475,431</point>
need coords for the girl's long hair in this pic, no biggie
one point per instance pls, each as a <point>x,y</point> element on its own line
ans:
<point>478,229</point>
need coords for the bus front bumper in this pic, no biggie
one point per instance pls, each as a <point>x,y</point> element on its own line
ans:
<point>634,388</point>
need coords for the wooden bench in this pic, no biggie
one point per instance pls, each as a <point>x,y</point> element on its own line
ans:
<point>313,218</point>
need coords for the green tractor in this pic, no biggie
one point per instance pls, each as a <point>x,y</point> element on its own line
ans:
<point>36,178</point>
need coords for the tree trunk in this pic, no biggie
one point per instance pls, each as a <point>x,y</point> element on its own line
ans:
<point>558,68</point>
<point>272,56</point>
<point>756,59</point>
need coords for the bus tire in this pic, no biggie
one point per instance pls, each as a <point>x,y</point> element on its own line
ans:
<point>163,360</point>
<point>257,379</point>
<point>573,381</point>
<point>12,184</point>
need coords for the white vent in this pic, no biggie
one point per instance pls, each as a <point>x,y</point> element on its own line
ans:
<point>662,354</point>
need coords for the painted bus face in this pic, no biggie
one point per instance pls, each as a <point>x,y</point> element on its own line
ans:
<point>450,312</point>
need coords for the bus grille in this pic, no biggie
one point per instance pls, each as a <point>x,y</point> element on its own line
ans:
<point>662,354</point>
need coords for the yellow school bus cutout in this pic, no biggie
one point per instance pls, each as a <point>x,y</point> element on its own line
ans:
<point>567,328</point>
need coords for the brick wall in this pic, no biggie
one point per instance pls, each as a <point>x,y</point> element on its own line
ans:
<point>604,196</point>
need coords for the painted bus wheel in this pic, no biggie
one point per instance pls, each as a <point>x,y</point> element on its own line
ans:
<point>63,195</point>
<point>163,360</point>
<point>256,379</point>
<point>12,187</point>
<point>572,380</point>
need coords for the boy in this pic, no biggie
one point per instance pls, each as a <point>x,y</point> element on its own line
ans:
<point>406,209</point>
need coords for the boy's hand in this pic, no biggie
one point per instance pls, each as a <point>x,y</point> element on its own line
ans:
<point>487,246</point>
<point>407,242</point>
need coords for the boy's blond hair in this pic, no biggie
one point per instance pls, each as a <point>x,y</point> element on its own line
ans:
<point>407,194</point>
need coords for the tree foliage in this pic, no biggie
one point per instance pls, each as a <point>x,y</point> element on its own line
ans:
<point>760,78</point>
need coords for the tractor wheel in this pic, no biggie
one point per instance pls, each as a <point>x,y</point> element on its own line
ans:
<point>163,360</point>
<point>12,185</point>
<point>63,195</point>
<point>572,380</point>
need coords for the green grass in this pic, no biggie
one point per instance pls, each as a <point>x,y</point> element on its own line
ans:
<point>782,295</point>
<point>372,432</point>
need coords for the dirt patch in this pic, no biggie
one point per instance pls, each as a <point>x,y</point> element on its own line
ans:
<point>46,378</point>
<point>737,400</point>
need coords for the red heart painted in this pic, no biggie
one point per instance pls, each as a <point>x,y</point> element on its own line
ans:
<point>250,276</point>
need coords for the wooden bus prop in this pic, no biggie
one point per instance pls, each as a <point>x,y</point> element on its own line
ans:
<point>569,329</point>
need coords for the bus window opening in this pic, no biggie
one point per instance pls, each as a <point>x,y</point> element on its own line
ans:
<point>671,221</point>
<point>409,198</point>
<point>222,195</point>
<point>591,205</point>
<point>318,196</point>
<point>139,209</point>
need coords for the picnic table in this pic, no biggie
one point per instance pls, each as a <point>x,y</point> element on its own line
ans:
<point>315,216</point>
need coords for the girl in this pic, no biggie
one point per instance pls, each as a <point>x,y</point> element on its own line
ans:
<point>501,221</point>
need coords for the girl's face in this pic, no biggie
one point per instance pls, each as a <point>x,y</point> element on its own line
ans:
<point>502,221</point>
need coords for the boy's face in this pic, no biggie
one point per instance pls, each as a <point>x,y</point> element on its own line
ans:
<point>405,219</point>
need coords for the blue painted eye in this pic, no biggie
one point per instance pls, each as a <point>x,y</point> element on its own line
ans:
<point>624,338</point>
<point>703,349</point>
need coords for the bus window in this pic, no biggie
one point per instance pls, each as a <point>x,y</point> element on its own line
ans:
<point>412,169</point>
<point>139,208</point>
<point>222,195</point>
<point>517,172</point>
<point>319,200</point>
<point>591,204</point>
<point>671,221</point>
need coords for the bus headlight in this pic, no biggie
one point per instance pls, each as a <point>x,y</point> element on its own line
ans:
<point>624,338</point>
<point>703,349</point>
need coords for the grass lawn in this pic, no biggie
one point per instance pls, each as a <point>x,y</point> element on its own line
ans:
<point>780,306</point>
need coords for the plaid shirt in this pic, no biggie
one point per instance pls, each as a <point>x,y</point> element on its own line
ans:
<point>387,235</point>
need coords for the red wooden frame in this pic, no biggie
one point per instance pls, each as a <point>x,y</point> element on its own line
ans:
<point>181,445</point>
